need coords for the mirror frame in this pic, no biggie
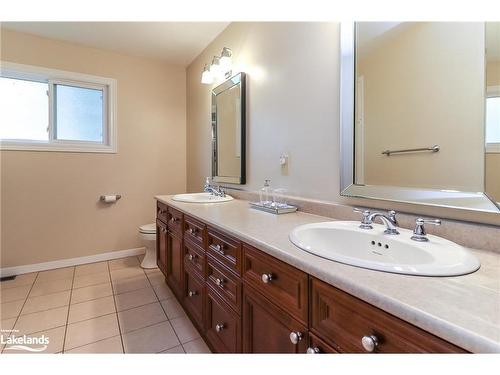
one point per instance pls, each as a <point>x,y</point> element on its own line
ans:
<point>348,187</point>
<point>237,79</point>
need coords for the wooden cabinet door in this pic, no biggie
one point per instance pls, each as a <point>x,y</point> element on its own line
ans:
<point>223,325</point>
<point>268,329</point>
<point>175,265</point>
<point>161,246</point>
<point>194,296</point>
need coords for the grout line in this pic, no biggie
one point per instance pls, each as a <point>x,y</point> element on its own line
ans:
<point>18,315</point>
<point>94,299</point>
<point>41,311</point>
<point>90,343</point>
<point>95,317</point>
<point>161,305</point>
<point>149,325</point>
<point>134,330</point>
<point>163,351</point>
<point>69,306</point>
<point>116,310</point>
<point>114,299</point>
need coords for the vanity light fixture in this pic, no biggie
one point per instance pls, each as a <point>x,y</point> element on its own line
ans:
<point>207,76</point>
<point>220,68</point>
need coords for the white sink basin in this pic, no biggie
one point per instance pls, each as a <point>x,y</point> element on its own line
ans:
<point>345,242</point>
<point>201,198</point>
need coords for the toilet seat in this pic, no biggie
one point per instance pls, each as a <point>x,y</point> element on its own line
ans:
<point>148,228</point>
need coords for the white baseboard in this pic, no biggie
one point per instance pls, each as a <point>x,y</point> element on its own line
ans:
<point>18,270</point>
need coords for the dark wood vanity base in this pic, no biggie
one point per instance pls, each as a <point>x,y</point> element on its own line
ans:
<point>243,300</point>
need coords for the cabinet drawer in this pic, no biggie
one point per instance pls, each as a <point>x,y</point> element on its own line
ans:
<point>283,284</point>
<point>344,320</point>
<point>269,329</point>
<point>194,230</point>
<point>174,220</point>
<point>194,294</point>
<point>224,283</point>
<point>194,257</point>
<point>318,346</point>
<point>222,325</point>
<point>161,212</point>
<point>225,249</point>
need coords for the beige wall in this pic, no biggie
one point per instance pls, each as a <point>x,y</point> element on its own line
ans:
<point>425,86</point>
<point>493,73</point>
<point>49,200</point>
<point>292,106</point>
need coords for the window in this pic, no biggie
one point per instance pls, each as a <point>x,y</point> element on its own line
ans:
<point>493,119</point>
<point>52,110</point>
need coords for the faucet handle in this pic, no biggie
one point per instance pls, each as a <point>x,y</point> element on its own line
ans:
<point>419,233</point>
<point>392,216</point>
<point>366,222</point>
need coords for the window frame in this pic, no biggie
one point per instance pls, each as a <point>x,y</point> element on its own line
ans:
<point>492,92</point>
<point>61,77</point>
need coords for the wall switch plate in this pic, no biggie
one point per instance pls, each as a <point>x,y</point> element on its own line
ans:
<point>283,159</point>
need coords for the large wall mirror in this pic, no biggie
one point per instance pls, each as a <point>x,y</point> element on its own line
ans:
<point>421,113</point>
<point>228,131</point>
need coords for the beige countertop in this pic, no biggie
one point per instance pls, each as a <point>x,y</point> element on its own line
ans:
<point>464,310</point>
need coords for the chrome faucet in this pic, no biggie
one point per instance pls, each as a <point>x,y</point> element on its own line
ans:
<point>214,190</point>
<point>389,220</point>
<point>419,233</point>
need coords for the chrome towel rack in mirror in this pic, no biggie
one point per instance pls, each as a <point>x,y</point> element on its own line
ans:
<point>434,148</point>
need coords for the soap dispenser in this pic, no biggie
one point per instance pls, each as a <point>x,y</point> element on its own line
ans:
<point>265,194</point>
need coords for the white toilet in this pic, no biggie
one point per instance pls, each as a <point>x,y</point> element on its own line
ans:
<point>148,237</point>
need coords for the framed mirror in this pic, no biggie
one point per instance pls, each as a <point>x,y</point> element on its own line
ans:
<point>420,113</point>
<point>228,130</point>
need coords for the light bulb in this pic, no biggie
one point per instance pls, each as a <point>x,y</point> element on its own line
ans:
<point>206,76</point>
<point>226,61</point>
<point>215,68</point>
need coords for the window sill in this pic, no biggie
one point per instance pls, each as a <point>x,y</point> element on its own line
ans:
<point>493,148</point>
<point>57,147</point>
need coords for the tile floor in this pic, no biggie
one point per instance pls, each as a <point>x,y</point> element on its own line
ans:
<point>105,307</point>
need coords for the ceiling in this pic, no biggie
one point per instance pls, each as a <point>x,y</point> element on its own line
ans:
<point>173,42</point>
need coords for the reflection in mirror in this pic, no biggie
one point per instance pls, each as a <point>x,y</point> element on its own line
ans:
<point>417,129</point>
<point>228,131</point>
<point>492,171</point>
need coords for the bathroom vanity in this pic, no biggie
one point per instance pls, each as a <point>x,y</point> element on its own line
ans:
<point>248,289</point>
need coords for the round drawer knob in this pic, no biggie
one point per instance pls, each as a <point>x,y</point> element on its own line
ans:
<point>219,327</point>
<point>266,278</point>
<point>295,337</point>
<point>191,257</point>
<point>192,293</point>
<point>219,282</point>
<point>312,350</point>
<point>190,230</point>
<point>174,219</point>
<point>219,248</point>
<point>369,343</point>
